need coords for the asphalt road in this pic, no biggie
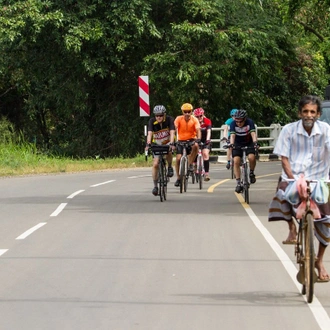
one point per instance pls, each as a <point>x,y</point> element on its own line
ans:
<point>99,251</point>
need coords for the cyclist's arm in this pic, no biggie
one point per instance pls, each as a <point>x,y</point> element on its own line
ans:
<point>199,134</point>
<point>149,137</point>
<point>254,136</point>
<point>232,138</point>
<point>225,132</point>
<point>287,167</point>
<point>208,134</point>
<point>172,136</point>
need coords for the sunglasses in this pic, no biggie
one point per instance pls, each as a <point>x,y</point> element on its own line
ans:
<point>199,116</point>
<point>159,116</point>
<point>187,112</point>
<point>239,121</point>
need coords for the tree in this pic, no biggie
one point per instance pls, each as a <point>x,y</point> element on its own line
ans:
<point>69,77</point>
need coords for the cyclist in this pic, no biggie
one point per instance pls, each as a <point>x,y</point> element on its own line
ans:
<point>226,134</point>
<point>206,126</point>
<point>187,129</point>
<point>161,131</point>
<point>243,133</point>
<point>304,147</point>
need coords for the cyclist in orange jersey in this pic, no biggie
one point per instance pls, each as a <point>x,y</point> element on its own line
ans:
<point>187,129</point>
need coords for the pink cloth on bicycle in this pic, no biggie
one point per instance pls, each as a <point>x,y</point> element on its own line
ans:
<point>302,191</point>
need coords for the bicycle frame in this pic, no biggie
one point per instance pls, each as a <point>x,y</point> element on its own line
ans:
<point>183,168</point>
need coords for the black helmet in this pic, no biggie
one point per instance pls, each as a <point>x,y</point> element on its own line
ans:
<point>159,110</point>
<point>241,113</point>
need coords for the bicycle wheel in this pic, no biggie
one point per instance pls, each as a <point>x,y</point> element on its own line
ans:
<point>247,185</point>
<point>161,179</point>
<point>186,182</point>
<point>200,172</point>
<point>299,253</point>
<point>309,260</point>
<point>183,166</point>
<point>165,181</point>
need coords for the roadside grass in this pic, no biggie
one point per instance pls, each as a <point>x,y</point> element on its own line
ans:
<point>25,159</point>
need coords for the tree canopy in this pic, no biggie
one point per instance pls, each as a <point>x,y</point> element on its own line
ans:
<point>69,70</point>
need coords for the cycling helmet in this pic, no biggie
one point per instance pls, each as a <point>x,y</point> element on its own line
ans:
<point>186,107</point>
<point>198,112</point>
<point>232,112</point>
<point>241,114</point>
<point>159,110</point>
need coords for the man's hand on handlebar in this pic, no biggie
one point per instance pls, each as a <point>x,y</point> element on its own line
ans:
<point>256,145</point>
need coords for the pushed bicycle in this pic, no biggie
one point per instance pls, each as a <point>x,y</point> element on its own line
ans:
<point>305,247</point>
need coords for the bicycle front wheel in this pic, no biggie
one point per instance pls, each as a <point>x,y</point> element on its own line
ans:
<point>161,180</point>
<point>200,172</point>
<point>183,167</point>
<point>185,186</point>
<point>309,260</point>
<point>245,183</point>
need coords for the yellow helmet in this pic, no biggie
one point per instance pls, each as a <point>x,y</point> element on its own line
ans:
<point>186,107</point>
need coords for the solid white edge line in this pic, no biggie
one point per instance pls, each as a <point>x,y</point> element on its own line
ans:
<point>319,313</point>
<point>2,251</point>
<point>59,209</point>
<point>100,184</point>
<point>75,193</point>
<point>31,230</point>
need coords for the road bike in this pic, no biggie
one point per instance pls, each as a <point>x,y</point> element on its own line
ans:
<point>200,172</point>
<point>161,150</point>
<point>184,172</point>
<point>305,247</point>
<point>245,171</point>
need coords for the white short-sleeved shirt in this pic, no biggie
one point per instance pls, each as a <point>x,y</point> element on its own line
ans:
<point>307,154</point>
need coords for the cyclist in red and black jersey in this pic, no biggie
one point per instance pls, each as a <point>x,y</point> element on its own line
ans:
<point>161,131</point>
<point>206,126</point>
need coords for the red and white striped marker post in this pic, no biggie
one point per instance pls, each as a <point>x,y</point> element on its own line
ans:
<point>144,96</point>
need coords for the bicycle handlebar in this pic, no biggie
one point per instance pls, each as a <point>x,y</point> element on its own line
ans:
<point>237,147</point>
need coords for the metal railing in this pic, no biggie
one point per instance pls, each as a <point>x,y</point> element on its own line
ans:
<point>267,143</point>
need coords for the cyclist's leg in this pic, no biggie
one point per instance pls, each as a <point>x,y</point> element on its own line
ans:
<point>155,166</point>
<point>252,164</point>
<point>169,158</point>
<point>177,165</point>
<point>237,156</point>
<point>206,159</point>
<point>228,158</point>
<point>193,153</point>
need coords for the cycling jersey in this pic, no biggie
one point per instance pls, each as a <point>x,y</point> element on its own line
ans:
<point>186,130</point>
<point>243,134</point>
<point>228,123</point>
<point>205,125</point>
<point>161,131</point>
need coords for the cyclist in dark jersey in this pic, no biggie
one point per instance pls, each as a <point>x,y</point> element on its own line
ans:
<point>243,133</point>
<point>206,126</point>
<point>161,131</point>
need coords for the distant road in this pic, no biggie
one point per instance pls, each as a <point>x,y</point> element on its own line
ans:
<point>99,251</point>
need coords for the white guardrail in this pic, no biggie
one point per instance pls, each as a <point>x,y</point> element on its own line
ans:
<point>274,131</point>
